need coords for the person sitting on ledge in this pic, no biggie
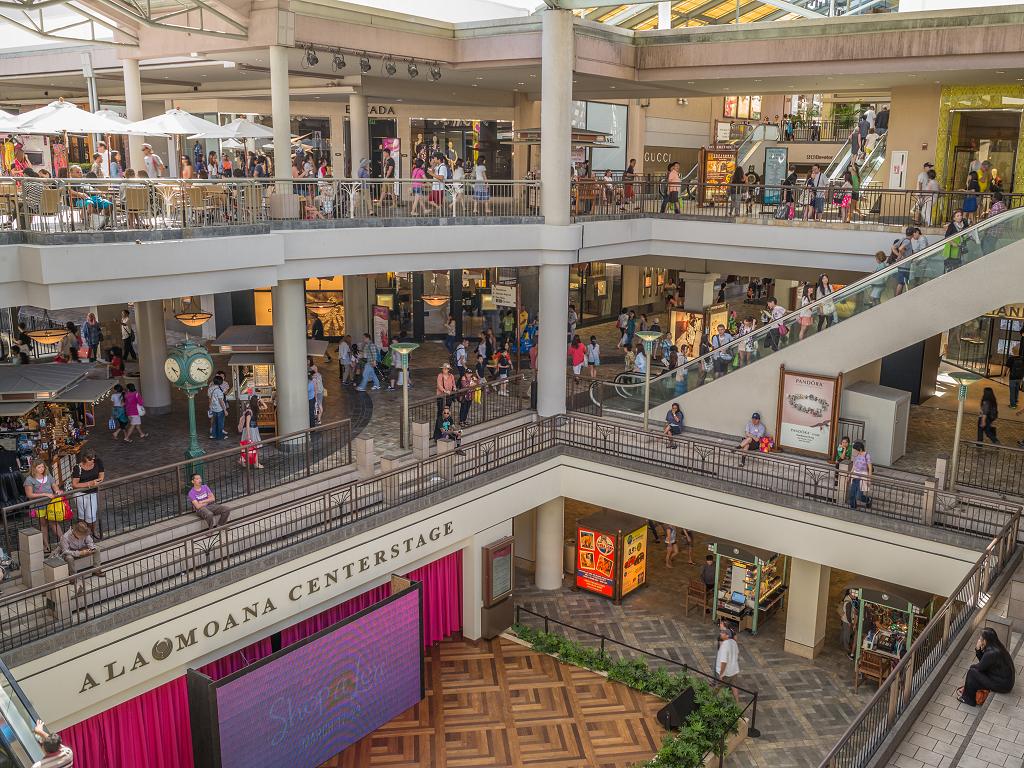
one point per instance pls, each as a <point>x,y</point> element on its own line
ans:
<point>204,503</point>
<point>752,435</point>
<point>994,671</point>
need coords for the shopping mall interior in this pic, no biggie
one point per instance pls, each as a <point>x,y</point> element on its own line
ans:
<point>511,383</point>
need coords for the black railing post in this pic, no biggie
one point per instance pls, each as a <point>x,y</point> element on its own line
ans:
<point>752,731</point>
<point>307,451</point>
<point>602,646</point>
<point>7,535</point>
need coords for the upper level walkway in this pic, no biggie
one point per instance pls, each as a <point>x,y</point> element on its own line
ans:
<point>361,528</point>
<point>147,239</point>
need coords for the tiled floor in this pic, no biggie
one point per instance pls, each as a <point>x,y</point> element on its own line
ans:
<point>804,705</point>
<point>949,734</point>
<point>501,705</point>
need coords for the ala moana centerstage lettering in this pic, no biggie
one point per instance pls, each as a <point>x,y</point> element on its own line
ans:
<point>192,636</point>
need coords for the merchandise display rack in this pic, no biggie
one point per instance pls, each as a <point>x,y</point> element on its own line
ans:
<point>751,587</point>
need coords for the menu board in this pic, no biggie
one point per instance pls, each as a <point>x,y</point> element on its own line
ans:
<point>716,169</point>
<point>595,561</point>
<point>634,560</point>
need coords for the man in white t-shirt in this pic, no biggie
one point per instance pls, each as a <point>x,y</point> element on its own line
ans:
<point>104,153</point>
<point>346,361</point>
<point>870,115</point>
<point>727,662</point>
<point>154,165</point>
<point>440,175</point>
<point>922,177</point>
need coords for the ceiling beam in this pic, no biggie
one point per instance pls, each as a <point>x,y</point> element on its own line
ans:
<point>785,5</point>
<point>745,6</point>
<point>697,13</point>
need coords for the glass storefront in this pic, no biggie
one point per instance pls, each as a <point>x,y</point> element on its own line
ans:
<point>981,125</point>
<point>985,344</point>
<point>465,140</point>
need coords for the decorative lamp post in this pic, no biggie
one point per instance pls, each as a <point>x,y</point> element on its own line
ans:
<point>648,338</point>
<point>404,349</point>
<point>962,378</point>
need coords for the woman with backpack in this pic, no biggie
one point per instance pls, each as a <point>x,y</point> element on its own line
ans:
<point>987,415</point>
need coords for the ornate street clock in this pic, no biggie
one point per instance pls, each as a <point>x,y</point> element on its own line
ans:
<point>188,367</point>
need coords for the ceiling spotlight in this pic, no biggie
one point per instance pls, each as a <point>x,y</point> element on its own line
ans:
<point>389,67</point>
<point>435,72</point>
<point>364,63</point>
<point>338,63</point>
<point>311,58</point>
<point>414,71</point>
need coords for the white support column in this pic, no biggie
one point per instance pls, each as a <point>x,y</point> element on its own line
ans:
<point>807,608</point>
<point>289,302</point>
<point>152,349</point>
<point>360,297</point>
<point>557,58</point>
<point>554,324</point>
<point>550,544</point>
<point>665,15</point>
<point>359,131</point>
<point>133,109</point>
<point>280,112</point>
<point>783,292</point>
<point>699,291</point>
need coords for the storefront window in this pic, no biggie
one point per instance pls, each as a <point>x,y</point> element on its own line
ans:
<point>980,130</point>
<point>742,107</point>
<point>466,140</point>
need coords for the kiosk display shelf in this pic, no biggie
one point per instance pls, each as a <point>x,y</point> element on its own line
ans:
<point>887,622</point>
<point>749,584</point>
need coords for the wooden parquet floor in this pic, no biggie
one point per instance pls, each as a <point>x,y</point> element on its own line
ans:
<point>500,705</point>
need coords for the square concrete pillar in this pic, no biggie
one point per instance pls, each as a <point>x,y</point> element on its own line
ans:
<point>31,556</point>
<point>807,608</point>
<point>393,460</point>
<point>928,502</point>
<point>55,570</point>
<point>366,457</point>
<point>422,432</point>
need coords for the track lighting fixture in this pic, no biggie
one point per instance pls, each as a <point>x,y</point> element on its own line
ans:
<point>389,67</point>
<point>338,63</point>
<point>414,71</point>
<point>435,72</point>
<point>311,58</point>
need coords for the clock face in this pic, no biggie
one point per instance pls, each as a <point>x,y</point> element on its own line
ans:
<point>171,369</point>
<point>199,369</point>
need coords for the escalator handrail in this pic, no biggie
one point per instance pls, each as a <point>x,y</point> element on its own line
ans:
<point>835,297</point>
<point>877,151</point>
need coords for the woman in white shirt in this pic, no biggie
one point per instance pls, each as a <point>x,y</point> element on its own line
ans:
<point>458,189</point>
<point>481,190</point>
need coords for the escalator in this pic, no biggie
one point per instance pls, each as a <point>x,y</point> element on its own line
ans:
<point>749,151</point>
<point>868,322</point>
<point>18,747</point>
<point>871,164</point>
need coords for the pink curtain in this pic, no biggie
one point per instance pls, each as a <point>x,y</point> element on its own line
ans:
<point>153,730</point>
<point>154,726</point>
<point>442,603</point>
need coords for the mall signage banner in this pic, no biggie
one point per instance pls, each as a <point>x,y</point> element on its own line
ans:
<point>808,412</point>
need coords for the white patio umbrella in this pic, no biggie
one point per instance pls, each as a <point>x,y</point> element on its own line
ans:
<point>174,122</point>
<point>231,144</point>
<point>8,122</point>
<point>237,129</point>
<point>63,117</point>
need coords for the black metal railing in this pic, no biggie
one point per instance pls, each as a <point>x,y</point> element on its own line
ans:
<point>138,500</point>
<point>486,402</point>
<point>851,428</point>
<point>940,637</point>
<point>132,579</point>
<point>609,647</point>
<point>998,468</point>
<point>912,502</point>
<point>831,204</point>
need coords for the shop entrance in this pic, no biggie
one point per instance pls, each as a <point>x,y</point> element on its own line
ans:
<point>982,135</point>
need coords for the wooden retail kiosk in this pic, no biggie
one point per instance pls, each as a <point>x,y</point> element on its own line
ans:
<point>251,350</point>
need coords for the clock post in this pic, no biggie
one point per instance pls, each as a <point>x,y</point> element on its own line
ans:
<point>189,366</point>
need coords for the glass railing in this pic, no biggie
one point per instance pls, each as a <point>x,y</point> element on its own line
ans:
<point>18,746</point>
<point>859,297</point>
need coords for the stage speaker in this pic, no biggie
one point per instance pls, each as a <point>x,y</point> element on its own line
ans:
<point>674,714</point>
